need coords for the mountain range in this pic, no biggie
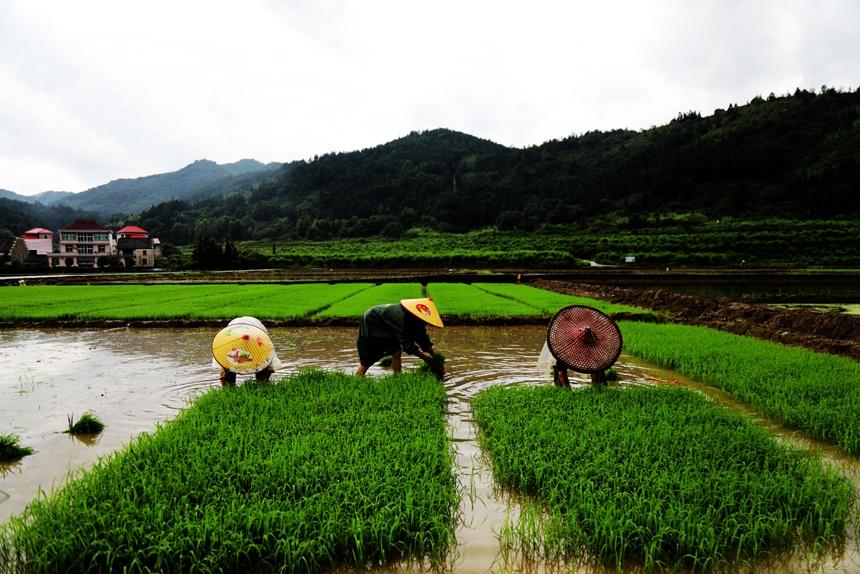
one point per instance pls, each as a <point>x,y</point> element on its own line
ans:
<point>198,180</point>
<point>792,156</point>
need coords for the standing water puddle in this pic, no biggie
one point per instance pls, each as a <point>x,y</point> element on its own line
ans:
<point>134,379</point>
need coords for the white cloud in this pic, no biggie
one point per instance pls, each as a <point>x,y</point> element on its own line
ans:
<point>96,90</point>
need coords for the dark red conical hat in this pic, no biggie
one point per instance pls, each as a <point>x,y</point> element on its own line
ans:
<point>585,339</point>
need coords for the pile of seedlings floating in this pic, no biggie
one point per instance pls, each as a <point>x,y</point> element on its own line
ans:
<point>11,449</point>
<point>661,477</point>
<point>816,393</point>
<point>88,423</point>
<point>303,474</point>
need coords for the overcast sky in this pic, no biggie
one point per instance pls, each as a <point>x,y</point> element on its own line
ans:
<point>92,91</point>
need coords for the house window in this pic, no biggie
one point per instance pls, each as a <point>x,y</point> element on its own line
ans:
<point>85,237</point>
<point>101,248</point>
<point>68,236</point>
<point>100,236</point>
<point>85,249</point>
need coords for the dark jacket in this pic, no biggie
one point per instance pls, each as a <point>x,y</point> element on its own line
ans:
<point>393,323</point>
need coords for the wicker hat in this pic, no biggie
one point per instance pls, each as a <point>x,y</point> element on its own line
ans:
<point>425,309</point>
<point>243,348</point>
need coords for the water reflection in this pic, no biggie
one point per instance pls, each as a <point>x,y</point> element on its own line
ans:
<point>134,379</point>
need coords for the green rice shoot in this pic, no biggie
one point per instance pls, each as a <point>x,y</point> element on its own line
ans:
<point>305,474</point>
<point>816,393</point>
<point>11,449</point>
<point>660,477</point>
<point>87,423</point>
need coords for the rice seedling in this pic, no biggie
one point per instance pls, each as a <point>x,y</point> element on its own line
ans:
<point>659,476</point>
<point>277,302</point>
<point>548,302</point>
<point>87,423</point>
<point>816,393</point>
<point>425,368</point>
<point>304,474</point>
<point>357,304</point>
<point>463,300</point>
<point>11,449</point>
<point>147,302</point>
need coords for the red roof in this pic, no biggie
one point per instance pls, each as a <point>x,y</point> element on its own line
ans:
<point>36,231</point>
<point>84,225</point>
<point>132,230</point>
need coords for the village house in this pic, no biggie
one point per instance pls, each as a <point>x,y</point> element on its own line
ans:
<point>40,240</point>
<point>83,243</point>
<point>135,248</point>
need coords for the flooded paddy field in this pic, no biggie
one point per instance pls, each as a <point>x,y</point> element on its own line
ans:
<point>134,379</point>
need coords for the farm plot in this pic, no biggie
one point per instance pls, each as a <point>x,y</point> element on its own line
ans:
<point>657,476</point>
<point>548,301</point>
<point>303,474</point>
<point>142,302</point>
<point>816,393</point>
<point>357,304</point>
<point>463,300</point>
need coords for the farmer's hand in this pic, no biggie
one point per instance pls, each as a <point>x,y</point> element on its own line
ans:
<point>437,367</point>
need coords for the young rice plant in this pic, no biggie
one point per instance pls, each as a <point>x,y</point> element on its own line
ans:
<point>816,393</point>
<point>658,476</point>
<point>299,475</point>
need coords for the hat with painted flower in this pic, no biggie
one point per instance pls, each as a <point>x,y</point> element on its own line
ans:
<point>243,348</point>
<point>424,309</point>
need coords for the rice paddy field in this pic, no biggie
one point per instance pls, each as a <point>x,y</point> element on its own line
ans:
<point>816,393</point>
<point>317,470</point>
<point>273,302</point>
<point>323,470</point>
<point>654,476</point>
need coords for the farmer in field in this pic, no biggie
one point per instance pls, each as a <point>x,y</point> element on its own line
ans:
<point>244,347</point>
<point>397,327</point>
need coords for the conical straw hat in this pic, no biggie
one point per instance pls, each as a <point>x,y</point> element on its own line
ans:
<point>243,348</point>
<point>424,309</point>
<point>585,339</point>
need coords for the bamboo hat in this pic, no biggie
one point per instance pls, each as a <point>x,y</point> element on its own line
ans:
<point>425,309</point>
<point>243,348</point>
<point>584,338</point>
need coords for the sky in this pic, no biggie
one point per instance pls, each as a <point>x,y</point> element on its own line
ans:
<point>96,90</point>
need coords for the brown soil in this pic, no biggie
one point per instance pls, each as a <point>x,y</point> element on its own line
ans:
<point>816,330</point>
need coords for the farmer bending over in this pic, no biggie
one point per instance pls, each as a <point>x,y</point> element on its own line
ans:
<point>244,347</point>
<point>391,329</point>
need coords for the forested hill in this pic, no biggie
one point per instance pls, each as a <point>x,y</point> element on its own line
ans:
<point>135,195</point>
<point>791,156</point>
<point>794,156</point>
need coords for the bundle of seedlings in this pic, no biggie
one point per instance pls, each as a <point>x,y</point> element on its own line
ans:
<point>88,423</point>
<point>317,471</point>
<point>11,449</point>
<point>659,477</point>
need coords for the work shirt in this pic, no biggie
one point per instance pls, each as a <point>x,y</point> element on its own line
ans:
<point>393,323</point>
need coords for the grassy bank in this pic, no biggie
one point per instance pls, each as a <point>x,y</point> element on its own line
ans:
<point>816,393</point>
<point>306,302</point>
<point>312,471</point>
<point>656,476</point>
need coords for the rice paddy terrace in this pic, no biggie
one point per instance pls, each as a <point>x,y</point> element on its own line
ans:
<point>323,470</point>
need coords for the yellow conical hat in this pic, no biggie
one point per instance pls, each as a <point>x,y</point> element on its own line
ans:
<point>424,309</point>
<point>243,348</point>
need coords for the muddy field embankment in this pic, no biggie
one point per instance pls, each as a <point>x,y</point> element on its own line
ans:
<point>816,330</point>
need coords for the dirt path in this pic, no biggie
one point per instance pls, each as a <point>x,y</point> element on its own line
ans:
<point>816,330</point>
